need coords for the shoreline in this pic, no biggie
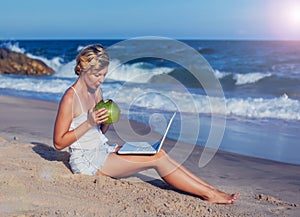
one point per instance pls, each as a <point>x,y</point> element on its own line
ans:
<point>30,164</point>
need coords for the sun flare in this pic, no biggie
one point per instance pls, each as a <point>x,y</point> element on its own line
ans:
<point>294,16</point>
<point>285,19</point>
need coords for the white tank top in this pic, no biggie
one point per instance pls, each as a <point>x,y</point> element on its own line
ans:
<point>92,138</point>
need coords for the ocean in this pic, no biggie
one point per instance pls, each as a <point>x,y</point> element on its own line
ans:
<point>247,101</point>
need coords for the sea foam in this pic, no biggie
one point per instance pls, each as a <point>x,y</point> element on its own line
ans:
<point>249,77</point>
<point>136,72</point>
<point>278,107</point>
<point>241,79</point>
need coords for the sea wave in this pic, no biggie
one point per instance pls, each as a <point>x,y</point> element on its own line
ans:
<point>250,77</point>
<point>166,98</point>
<point>139,72</point>
<point>13,47</point>
<point>66,70</point>
<point>240,79</point>
<point>143,72</point>
<point>284,69</point>
<point>141,93</point>
<point>136,72</point>
<point>37,85</point>
<point>278,107</point>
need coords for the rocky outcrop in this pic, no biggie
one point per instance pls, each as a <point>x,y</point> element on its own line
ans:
<point>17,63</point>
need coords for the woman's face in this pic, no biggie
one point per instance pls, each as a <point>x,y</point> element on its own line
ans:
<point>94,78</point>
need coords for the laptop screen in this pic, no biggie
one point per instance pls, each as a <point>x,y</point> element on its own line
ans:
<point>166,132</point>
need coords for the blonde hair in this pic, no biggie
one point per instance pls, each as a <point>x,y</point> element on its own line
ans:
<point>91,56</point>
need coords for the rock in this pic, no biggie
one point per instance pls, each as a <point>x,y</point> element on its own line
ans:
<point>12,62</point>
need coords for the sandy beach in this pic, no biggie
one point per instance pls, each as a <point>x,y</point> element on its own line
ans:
<point>36,180</point>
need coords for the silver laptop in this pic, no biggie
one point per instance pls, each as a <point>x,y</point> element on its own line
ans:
<point>145,147</point>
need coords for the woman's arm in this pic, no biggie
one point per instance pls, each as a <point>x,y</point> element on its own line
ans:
<point>63,137</point>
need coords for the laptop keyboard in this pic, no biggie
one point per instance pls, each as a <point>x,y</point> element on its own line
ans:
<point>140,147</point>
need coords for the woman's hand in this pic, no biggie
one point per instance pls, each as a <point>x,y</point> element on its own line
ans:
<point>97,117</point>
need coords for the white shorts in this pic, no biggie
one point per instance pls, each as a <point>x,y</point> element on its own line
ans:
<point>89,161</point>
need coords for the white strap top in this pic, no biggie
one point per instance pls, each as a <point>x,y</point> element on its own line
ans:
<point>91,139</point>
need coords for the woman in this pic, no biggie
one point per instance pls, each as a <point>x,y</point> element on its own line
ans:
<point>82,129</point>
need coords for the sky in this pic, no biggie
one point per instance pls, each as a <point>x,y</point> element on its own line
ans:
<point>123,19</point>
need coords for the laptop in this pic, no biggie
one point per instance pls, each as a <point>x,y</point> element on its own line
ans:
<point>145,147</point>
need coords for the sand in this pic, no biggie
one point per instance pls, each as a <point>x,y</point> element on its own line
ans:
<point>36,179</point>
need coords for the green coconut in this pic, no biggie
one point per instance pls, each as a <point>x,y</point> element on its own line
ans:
<point>112,109</point>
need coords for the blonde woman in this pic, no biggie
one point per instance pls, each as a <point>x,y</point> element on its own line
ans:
<point>82,129</point>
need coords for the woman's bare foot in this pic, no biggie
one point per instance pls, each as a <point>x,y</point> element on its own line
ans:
<point>223,198</point>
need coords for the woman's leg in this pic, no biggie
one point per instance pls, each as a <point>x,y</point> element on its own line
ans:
<point>173,173</point>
